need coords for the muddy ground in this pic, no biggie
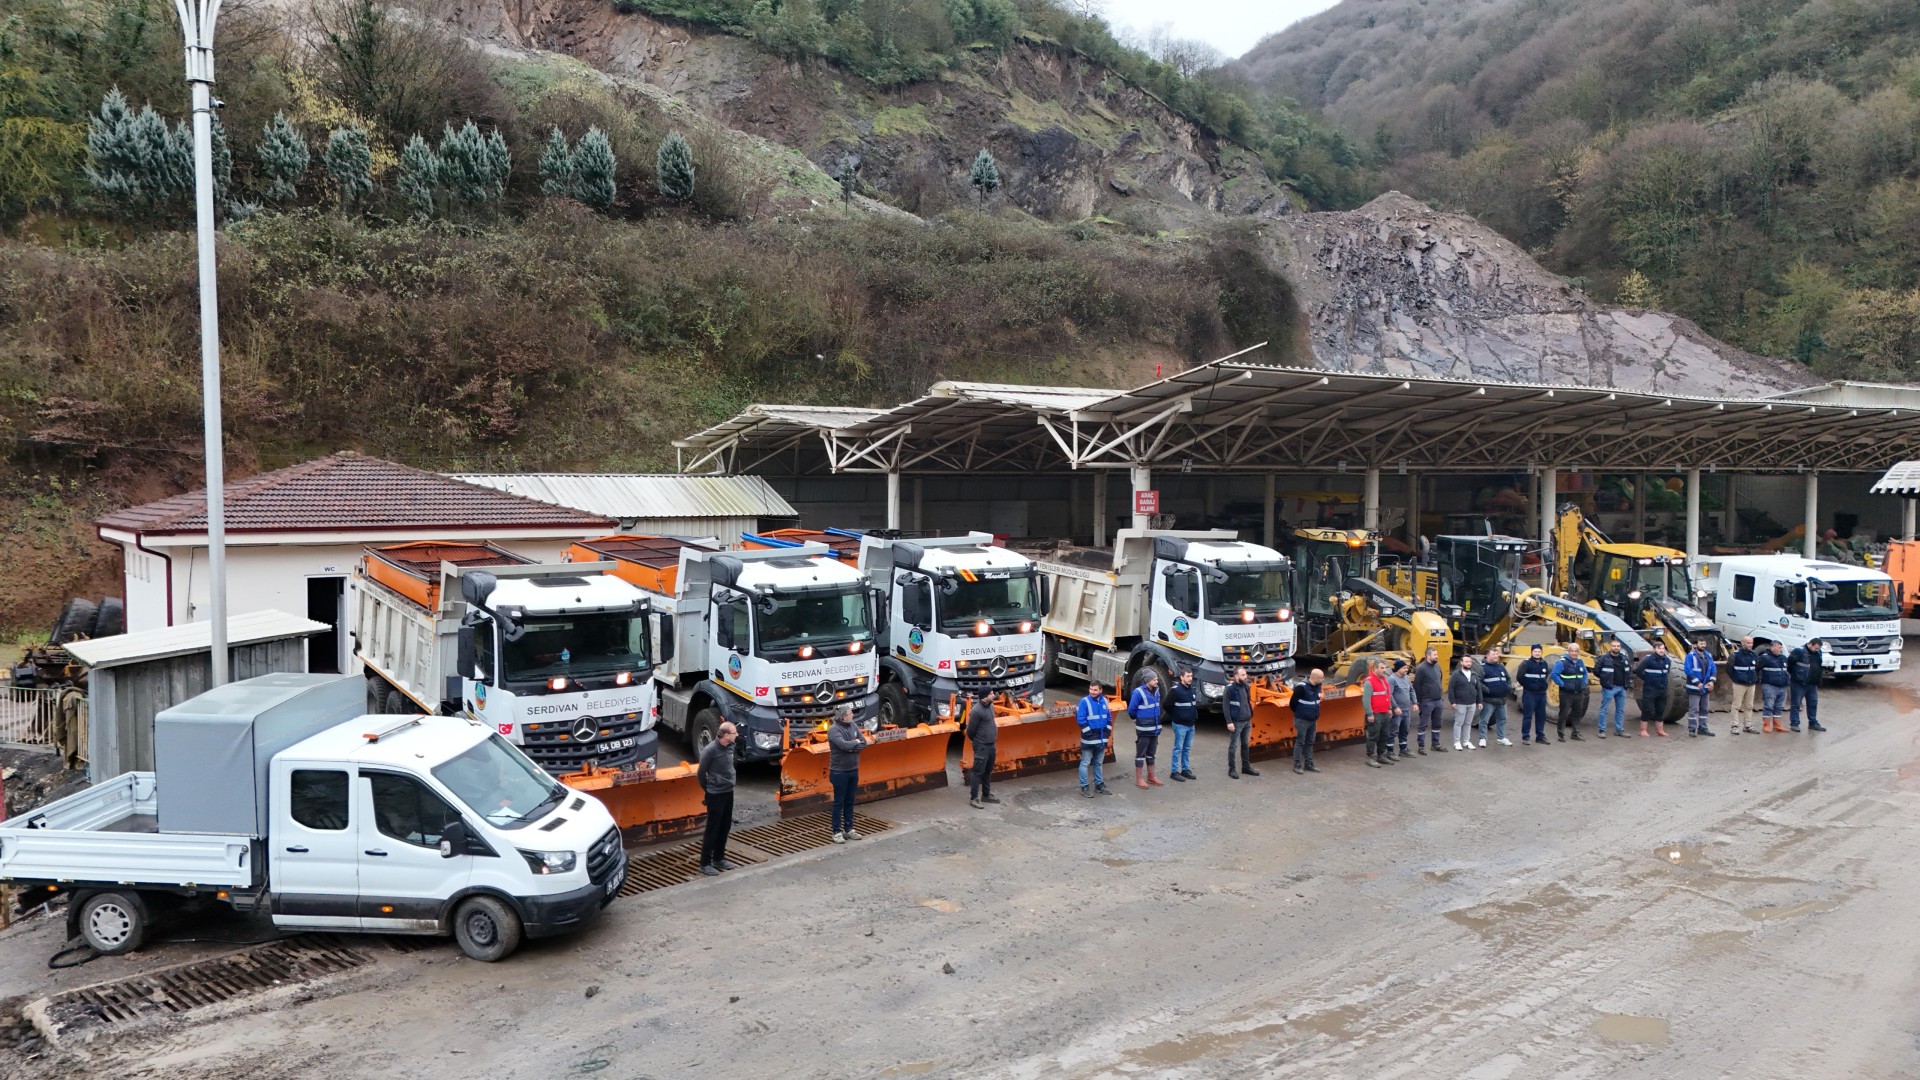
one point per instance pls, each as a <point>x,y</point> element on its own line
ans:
<point>1675,908</point>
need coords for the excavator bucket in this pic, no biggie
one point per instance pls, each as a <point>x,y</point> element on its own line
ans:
<point>898,761</point>
<point>1035,739</point>
<point>1343,717</point>
<point>647,804</point>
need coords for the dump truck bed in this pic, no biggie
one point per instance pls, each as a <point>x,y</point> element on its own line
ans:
<point>108,834</point>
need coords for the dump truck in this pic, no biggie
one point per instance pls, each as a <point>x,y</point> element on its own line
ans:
<point>1854,610</point>
<point>1163,600</point>
<point>276,795</point>
<point>1902,564</point>
<point>556,658</point>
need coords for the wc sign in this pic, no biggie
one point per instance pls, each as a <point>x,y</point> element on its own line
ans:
<point>1146,502</point>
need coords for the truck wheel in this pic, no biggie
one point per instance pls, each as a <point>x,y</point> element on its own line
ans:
<point>376,695</point>
<point>112,923</point>
<point>486,929</point>
<point>895,710</point>
<point>76,622</point>
<point>399,704</point>
<point>704,731</point>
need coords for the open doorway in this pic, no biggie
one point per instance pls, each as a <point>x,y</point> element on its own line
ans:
<point>326,603</point>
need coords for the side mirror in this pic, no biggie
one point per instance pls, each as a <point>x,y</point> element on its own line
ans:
<point>453,839</point>
<point>949,586</point>
<point>767,604</point>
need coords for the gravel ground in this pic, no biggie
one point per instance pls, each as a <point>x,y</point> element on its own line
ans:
<point>1673,908</point>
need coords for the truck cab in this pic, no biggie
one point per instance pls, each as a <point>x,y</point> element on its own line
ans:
<point>1786,598</point>
<point>963,618</point>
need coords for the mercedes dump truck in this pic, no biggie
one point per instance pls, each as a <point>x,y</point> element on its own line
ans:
<point>772,640</point>
<point>276,795</point>
<point>557,659</point>
<point>1162,601</point>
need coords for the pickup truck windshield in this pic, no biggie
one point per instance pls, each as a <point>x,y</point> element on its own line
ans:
<point>1264,591</point>
<point>1854,600</point>
<point>816,619</point>
<point>577,647</point>
<point>998,599</point>
<point>500,784</point>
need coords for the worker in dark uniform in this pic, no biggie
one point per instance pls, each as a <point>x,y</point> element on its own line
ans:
<point>1776,678</point>
<point>716,777</point>
<point>983,732</point>
<point>1239,709</point>
<point>1654,669</point>
<point>1570,677</point>
<point>1533,675</point>
<point>1743,667</point>
<point>1806,667</point>
<point>1430,700</point>
<point>1306,719</point>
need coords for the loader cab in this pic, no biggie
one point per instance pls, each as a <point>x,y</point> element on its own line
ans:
<point>1479,576</point>
<point>1325,559</point>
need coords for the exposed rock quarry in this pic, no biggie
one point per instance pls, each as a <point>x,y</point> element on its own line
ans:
<point>1399,288</point>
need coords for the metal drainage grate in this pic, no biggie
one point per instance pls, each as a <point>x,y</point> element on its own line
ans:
<point>205,982</point>
<point>413,943</point>
<point>681,863</point>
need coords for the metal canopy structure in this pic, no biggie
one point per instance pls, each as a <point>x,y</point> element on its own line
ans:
<point>1902,479</point>
<point>1235,416</point>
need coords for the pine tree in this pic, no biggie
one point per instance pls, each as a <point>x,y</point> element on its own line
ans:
<point>593,169</point>
<point>133,160</point>
<point>473,167</point>
<point>673,167</point>
<point>556,167</point>
<point>849,179</point>
<point>283,157</point>
<point>986,175</point>
<point>497,164</point>
<point>349,162</point>
<point>222,163</point>
<point>420,170</point>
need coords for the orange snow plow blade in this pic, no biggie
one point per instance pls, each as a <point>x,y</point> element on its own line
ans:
<point>1034,739</point>
<point>897,761</point>
<point>1342,717</point>
<point>647,804</point>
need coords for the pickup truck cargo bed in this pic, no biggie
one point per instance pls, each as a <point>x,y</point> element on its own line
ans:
<point>107,834</point>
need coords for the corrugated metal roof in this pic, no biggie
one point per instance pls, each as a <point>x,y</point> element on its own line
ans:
<point>1850,392</point>
<point>190,638</point>
<point>1058,398</point>
<point>630,496</point>
<point>1902,479</point>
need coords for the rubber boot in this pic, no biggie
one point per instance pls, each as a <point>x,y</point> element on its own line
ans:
<point>1139,776</point>
<point>1152,780</point>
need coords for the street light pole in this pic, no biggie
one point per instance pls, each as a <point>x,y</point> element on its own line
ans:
<point>196,26</point>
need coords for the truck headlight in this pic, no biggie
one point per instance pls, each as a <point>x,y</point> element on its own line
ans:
<point>766,740</point>
<point>1212,690</point>
<point>549,862</point>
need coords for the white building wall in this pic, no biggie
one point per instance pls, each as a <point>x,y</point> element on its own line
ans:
<point>145,589</point>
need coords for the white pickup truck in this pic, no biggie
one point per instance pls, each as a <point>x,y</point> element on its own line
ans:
<point>274,794</point>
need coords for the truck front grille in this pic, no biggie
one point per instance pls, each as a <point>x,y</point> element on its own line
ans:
<point>605,857</point>
<point>556,745</point>
<point>809,705</point>
<point>997,673</point>
<point>1859,646</point>
<point>1260,659</point>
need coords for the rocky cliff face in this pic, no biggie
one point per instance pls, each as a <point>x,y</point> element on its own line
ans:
<point>1071,141</point>
<point>1399,288</point>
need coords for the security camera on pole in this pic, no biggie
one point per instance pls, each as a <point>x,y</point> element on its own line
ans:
<point>196,26</point>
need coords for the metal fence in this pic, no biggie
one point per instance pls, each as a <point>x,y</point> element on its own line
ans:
<point>26,715</point>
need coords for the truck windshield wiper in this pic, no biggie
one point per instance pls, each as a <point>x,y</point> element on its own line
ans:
<point>540,808</point>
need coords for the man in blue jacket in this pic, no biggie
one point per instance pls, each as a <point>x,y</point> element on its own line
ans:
<point>1700,671</point>
<point>1806,667</point>
<point>1743,667</point>
<point>1533,675</point>
<point>1614,669</point>
<point>1654,670</point>
<point>1183,708</point>
<point>1496,685</point>
<point>1144,708</point>
<point>1570,676</point>
<point>1306,719</point>
<point>1096,724</point>
<point>1775,680</point>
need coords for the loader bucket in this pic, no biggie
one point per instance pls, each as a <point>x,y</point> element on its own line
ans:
<point>647,804</point>
<point>1034,739</point>
<point>898,761</point>
<point>1343,718</point>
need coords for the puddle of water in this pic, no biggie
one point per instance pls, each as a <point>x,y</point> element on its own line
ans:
<point>1720,941</point>
<point>1117,862</point>
<point>1625,1027</point>
<point>1332,1022</point>
<point>1680,854</point>
<point>1516,917</point>
<point>1905,698</point>
<point>909,1068</point>
<point>1195,1047</point>
<point>1790,911</point>
<point>1114,832</point>
<point>947,907</point>
<point>1439,875</point>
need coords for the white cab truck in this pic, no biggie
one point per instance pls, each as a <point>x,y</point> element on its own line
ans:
<point>963,618</point>
<point>772,640</point>
<point>275,795</point>
<point>1790,599</point>
<point>557,659</point>
<point>1164,600</point>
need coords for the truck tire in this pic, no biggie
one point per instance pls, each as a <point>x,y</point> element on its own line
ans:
<point>76,622</point>
<point>376,695</point>
<point>1140,677</point>
<point>486,929</point>
<point>399,704</point>
<point>895,709</point>
<point>704,731</point>
<point>112,923</point>
<point>110,618</point>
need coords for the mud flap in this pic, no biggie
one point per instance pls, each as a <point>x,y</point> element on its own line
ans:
<point>647,804</point>
<point>899,761</point>
<point>1343,718</point>
<point>1032,739</point>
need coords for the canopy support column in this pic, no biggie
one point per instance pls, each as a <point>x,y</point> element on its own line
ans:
<point>1693,514</point>
<point>1810,542</point>
<point>919,505</point>
<point>1142,481</point>
<point>1907,516</point>
<point>1370,506</point>
<point>1549,498</point>
<point>893,500</point>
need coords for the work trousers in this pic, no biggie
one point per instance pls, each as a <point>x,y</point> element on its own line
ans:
<point>1239,741</point>
<point>1697,709</point>
<point>1428,722</point>
<point>1304,732</point>
<point>1463,721</point>
<point>713,843</point>
<point>1379,734</point>
<point>1397,729</point>
<point>980,777</point>
<point>1144,748</point>
<point>1533,715</point>
<point>1182,749</point>
<point>1493,714</point>
<point>1615,698</point>
<point>1573,709</point>
<point>1652,705</point>
<point>844,782</point>
<point>1743,703</point>
<point>1773,701</point>
<point>1810,696</point>
<point>1093,762</point>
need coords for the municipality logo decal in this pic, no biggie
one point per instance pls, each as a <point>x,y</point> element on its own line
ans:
<point>916,639</point>
<point>733,665</point>
<point>1181,626</point>
<point>480,696</point>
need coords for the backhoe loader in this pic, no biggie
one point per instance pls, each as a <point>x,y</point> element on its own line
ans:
<point>1348,617</point>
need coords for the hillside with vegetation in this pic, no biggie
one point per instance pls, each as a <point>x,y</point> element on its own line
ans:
<point>1751,164</point>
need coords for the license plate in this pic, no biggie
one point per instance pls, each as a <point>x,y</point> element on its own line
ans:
<point>613,885</point>
<point>616,744</point>
<point>1863,663</point>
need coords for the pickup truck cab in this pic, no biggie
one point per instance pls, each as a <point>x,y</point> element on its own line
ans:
<point>263,799</point>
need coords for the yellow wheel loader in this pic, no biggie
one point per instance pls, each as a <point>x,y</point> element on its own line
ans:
<point>1346,617</point>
